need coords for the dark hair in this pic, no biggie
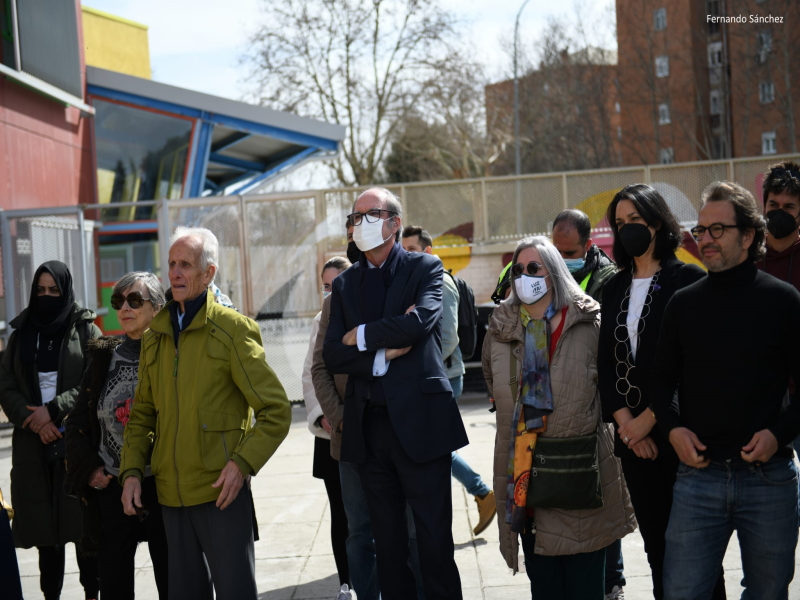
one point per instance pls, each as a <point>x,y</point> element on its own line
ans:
<point>782,177</point>
<point>654,210</point>
<point>425,238</point>
<point>340,263</point>
<point>747,214</point>
<point>572,217</point>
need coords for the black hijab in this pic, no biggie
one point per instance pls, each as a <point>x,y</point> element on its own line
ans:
<point>54,318</point>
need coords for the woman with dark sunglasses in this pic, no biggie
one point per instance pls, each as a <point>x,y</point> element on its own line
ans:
<point>40,373</point>
<point>539,360</point>
<point>646,236</point>
<point>94,440</point>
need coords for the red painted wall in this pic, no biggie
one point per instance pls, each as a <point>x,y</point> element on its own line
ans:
<point>45,148</point>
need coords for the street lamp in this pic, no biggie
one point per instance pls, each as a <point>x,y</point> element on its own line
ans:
<point>516,90</point>
<point>517,166</point>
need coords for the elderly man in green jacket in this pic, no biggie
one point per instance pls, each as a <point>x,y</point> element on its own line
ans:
<point>202,377</point>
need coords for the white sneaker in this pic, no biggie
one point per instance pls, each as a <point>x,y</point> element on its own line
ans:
<point>616,593</point>
<point>344,593</point>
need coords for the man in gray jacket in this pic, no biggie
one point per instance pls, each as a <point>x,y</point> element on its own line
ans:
<point>417,239</point>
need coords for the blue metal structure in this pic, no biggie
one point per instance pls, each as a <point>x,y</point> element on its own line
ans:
<point>235,146</point>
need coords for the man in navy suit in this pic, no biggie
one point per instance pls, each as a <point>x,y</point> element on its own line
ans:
<point>400,419</point>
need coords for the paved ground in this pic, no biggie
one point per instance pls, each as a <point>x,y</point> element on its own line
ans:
<point>294,559</point>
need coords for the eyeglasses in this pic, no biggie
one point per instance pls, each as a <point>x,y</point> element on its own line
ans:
<point>372,216</point>
<point>326,287</point>
<point>716,230</point>
<point>532,267</point>
<point>135,300</point>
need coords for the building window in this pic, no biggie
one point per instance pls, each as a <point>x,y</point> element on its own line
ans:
<point>715,54</point>
<point>714,101</point>
<point>616,106</point>
<point>662,66</point>
<point>766,92</point>
<point>666,156</point>
<point>712,7</point>
<point>719,149</point>
<point>660,19</point>
<point>663,114</point>
<point>141,155</point>
<point>619,132</point>
<point>764,45</point>
<point>768,143</point>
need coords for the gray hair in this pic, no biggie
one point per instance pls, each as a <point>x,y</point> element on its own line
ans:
<point>151,283</point>
<point>561,281</point>
<point>209,253</point>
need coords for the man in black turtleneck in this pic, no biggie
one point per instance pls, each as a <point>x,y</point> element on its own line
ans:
<point>729,345</point>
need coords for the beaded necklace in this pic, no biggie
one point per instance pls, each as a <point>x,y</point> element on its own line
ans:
<point>622,351</point>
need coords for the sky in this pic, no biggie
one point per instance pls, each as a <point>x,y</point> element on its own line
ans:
<point>194,44</point>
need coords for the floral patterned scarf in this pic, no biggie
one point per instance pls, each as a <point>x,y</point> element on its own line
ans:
<point>534,402</point>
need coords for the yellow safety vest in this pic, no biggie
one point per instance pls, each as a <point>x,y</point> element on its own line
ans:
<point>585,281</point>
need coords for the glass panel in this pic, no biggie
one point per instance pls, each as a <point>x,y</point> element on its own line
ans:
<point>141,155</point>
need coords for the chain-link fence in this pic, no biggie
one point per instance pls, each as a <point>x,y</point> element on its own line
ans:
<point>272,247</point>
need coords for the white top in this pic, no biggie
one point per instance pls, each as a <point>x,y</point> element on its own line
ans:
<point>639,289</point>
<point>47,386</point>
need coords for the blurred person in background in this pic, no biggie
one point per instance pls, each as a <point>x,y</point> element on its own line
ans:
<point>540,364</point>
<point>589,265</point>
<point>94,432</point>
<point>39,378</point>
<point>781,196</point>
<point>325,466</point>
<point>417,239</point>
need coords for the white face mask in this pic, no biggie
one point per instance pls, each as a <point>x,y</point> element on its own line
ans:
<point>369,235</point>
<point>530,289</point>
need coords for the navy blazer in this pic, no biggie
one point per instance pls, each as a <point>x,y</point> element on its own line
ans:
<point>419,398</point>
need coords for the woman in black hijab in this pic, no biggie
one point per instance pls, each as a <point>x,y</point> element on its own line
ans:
<point>39,376</point>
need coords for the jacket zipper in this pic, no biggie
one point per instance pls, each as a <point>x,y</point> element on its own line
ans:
<point>177,420</point>
<point>542,457</point>
<point>225,446</point>
<point>535,470</point>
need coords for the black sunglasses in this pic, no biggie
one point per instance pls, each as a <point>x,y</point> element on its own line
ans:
<point>135,300</point>
<point>518,269</point>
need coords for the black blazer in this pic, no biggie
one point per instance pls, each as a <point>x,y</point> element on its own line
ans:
<point>674,276</point>
<point>419,398</point>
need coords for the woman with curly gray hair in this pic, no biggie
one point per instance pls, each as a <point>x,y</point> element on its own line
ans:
<point>94,440</point>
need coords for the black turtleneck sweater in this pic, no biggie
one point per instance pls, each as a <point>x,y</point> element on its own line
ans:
<point>730,342</point>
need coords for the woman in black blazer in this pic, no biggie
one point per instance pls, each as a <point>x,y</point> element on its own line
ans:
<point>646,236</point>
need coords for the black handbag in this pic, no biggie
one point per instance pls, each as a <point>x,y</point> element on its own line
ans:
<point>565,474</point>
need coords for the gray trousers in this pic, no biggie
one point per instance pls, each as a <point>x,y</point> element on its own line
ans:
<point>211,550</point>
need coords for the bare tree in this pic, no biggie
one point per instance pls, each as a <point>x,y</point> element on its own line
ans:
<point>365,64</point>
<point>451,134</point>
<point>568,94</point>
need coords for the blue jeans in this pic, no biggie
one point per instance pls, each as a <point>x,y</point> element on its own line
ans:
<point>615,568</point>
<point>759,501</point>
<point>360,542</point>
<point>460,469</point>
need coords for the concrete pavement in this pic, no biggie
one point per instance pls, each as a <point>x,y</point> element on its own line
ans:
<point>294,559</point>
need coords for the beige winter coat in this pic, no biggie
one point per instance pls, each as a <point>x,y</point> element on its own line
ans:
<point>573,373</point>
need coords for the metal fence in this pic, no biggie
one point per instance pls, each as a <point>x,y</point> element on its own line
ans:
<point>272,246</point>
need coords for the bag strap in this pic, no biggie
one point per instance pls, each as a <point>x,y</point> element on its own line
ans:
<point>513,371</point>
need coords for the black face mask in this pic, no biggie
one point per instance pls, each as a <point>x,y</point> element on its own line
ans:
<point>353,253</point>
<point>780,223</point>
<point>49,306</point>
<point>635,238</point>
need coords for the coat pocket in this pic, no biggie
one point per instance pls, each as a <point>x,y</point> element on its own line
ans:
<point>220,434</point>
